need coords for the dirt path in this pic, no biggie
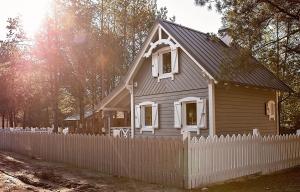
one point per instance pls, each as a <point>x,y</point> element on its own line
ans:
<point>19,173</point>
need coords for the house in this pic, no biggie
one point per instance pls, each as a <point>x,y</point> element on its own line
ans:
<point>175,85</point>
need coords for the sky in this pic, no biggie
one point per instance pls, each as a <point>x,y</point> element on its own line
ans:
<point>32,13</point>
<point>190,15</point>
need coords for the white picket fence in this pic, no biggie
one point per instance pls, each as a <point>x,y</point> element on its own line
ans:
<point>188,163</point>
<point>217,159</point>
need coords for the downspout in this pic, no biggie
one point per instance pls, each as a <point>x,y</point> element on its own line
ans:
<point>130,89</point>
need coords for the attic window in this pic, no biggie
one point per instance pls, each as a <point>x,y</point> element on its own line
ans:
<point>166,63</point>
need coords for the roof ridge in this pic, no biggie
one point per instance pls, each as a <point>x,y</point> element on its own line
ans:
<point>182,26</point>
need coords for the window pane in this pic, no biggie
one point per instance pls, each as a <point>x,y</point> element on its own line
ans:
<point>148,115</point>
<point>191,114</point>
<point>167,62</point>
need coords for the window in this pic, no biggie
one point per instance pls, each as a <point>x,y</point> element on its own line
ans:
<point>271,109</point>
<point>120,115</point>
<point>148,115</point>
<point>166,63</point>
<point>191,114</point>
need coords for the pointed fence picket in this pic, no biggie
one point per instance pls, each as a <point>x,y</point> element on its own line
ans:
<point>154,160</point>
<point>216,159</point>
<point>190,163</point>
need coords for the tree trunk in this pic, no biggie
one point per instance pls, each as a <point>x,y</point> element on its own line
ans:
<point>24,119</point>
<point>3,121</point>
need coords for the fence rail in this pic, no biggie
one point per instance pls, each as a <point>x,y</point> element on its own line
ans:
<point>190,163</point>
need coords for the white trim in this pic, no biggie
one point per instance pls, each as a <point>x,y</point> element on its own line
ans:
<point>189,99</point>
<point>147,42</point>
<point>208,74</point>
<point>146,103</point>
<point>141,54</point>
<point>211,108</point>
<point>110,99</point>
<point>145,128</point>
<point>132,120</point>
<point>277,111</point>
<point>159,42</point>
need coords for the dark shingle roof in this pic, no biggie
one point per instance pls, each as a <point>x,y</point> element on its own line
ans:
<point>212,54</point>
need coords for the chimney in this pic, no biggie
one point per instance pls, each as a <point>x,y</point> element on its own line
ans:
<point>224,36</point>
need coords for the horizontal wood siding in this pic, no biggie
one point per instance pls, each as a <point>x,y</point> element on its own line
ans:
<point>189,82</point>
<point>166,110</point>
<point>241,109</point>
<point>188,78</point>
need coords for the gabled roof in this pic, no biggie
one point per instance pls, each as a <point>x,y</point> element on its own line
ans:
<point>212,54</point>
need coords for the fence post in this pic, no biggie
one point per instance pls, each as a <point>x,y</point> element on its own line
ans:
<point>186,160</point>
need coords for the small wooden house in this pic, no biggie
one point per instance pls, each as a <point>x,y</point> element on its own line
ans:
<point>175,85</point>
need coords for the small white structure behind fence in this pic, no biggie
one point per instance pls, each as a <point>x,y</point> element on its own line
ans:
<point>190,163</point>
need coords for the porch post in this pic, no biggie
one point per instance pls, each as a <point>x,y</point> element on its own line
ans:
<point>130,89</point>
<point>211,108</point>
<point>277,117</point>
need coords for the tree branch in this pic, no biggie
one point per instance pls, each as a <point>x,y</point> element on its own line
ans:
<point>281,9</point>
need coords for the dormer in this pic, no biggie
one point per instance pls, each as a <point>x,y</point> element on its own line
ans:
<point>164,55</point>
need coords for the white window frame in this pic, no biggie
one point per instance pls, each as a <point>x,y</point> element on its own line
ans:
<point>162,75</point>
<point>159,62</point>
<point>190,128</point>
<point>145,128</point>
<point>184,120</point>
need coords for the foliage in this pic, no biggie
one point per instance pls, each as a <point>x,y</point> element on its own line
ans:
<point>83,49</point>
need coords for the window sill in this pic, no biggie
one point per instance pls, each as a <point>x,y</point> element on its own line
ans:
<point>165,76</point>
<point>190,129</point>
<point>147,129</point>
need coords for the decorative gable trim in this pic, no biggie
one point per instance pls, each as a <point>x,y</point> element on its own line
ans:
<point>169,41</point>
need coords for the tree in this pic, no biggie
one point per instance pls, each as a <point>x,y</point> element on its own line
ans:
<point>270,31</point>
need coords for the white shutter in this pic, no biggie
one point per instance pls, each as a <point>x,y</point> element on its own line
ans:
<point>201,113</point>
<point>177,114</point>
<point>155,64</point>
<point>271,110</point>
<point>155,115</point>
<point>137,116</point>
<point>174,60</point>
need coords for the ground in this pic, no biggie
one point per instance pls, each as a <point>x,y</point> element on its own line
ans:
<point>19,173</point>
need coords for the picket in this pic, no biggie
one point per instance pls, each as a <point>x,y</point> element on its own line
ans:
<point>190,163</point>
<point>222,158</point>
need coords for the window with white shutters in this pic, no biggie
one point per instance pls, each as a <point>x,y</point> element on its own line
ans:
<point>190,114</point>
<point>165,63</point>
<point>147,117</point>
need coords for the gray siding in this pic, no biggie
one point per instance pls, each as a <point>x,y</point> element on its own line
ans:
<point>240,110</point>
<point>166,110</point>
<point>188,78</point>
<point>187,83</point>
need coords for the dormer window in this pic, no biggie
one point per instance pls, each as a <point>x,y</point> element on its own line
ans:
<point>165,63</point>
